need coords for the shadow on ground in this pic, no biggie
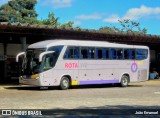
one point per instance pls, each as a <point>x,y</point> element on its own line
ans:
<point>19,87</point>
<point>106,110</point>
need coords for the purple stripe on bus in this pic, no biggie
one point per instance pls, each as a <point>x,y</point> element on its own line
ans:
<point>98,82</point>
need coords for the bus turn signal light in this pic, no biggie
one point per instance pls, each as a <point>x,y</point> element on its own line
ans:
<point>35,76</point>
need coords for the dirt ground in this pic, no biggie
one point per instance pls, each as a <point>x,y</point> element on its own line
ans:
<point>135,96</point>
<point>26,97</point>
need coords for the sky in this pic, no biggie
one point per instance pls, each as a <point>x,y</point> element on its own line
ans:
<point>93,14</point>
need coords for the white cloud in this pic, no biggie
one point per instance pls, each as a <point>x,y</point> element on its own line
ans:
<point>112,19</point>
<point>77,23</point>
<point>89,17</point>
<point>58,3</point>
<point>135,14</point>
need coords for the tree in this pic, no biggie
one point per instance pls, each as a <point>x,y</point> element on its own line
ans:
<point>54,21</point>
<point>107,29</point>
<point>22,11</point>
<point>131,26</point>
<point>51,20</point>
<point>68,24</point>
<point>126,26</point>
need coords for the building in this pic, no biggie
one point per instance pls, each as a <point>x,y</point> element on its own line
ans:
<point>15,37</point>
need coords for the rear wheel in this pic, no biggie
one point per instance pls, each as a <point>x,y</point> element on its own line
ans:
<point>64,83</point>
<point>124,81</point>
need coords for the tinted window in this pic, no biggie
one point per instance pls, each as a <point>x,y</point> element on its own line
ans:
<point>141,54</point>
<point>57,49</point>
<point>98,53</point>
<point>84,53</point>
<point>105,52</point>
<point>112,53</point>
<point>72,53</point>
<point>119,53</point>
<point>76,52</point>
<point>69,53</point>
<point>129,54</point>
<point>91,53</point>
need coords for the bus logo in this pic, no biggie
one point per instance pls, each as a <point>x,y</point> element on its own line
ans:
<point>6,112</point>
<point>134,67</point>
<point>71,65</point>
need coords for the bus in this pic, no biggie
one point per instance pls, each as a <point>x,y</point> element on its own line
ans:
<point>66,63</point>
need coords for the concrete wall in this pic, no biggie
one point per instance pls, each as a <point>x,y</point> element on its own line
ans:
<point>13,49</point>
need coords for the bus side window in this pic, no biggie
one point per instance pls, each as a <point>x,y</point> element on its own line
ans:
<point>141,54</point>
<point>57,49</point>
<point>72,53</point>
<point>105,53</point>
<point>91,53</point>
<point>76,52</point>
<point>98,53</point>
<point>126,53</point>
<point>132,54</point>
<point>129,54</point>
<point>69,53</point>
<point>84,53</point>
<point>119,54</point>
<point>112,53</point>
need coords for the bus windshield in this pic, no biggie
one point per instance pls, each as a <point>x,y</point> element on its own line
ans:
<point>31,64</point>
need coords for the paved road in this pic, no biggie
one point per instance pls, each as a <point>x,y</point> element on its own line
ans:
<point>136,95</point>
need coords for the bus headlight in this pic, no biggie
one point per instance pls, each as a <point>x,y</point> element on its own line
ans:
<point>35,76</point>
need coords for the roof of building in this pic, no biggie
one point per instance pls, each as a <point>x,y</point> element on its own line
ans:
<point>35,33</point>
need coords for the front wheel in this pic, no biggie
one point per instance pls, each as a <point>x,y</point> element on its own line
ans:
<point>64,83</point>
<point>124,81</point>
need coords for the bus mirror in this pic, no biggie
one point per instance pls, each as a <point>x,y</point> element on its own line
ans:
<point>18,55</point>
<point>44,53</point>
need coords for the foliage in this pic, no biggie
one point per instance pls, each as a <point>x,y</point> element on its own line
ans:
<point>107,29</point>
<point>126,26</point>
<point>68,24</point>
<point>51,20</point>
<point>131,26</point>
<point>22,11</point>
<point>54,21</point>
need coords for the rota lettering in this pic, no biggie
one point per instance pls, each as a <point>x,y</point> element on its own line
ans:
<point>71,65</point>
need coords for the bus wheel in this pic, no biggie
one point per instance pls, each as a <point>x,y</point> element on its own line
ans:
<point>124,81</point>
<point>64,83</point>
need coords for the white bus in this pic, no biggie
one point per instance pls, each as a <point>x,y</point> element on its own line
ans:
<point>72,62</point>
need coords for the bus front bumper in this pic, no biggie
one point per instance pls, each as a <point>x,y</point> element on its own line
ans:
<point>29,81</point>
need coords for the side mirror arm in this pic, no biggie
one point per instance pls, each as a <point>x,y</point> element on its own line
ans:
<point>44,53</point>
<point>19,54</point>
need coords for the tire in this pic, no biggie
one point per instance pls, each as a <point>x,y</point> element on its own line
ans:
<point>124,81</point>
<point>64,85</point>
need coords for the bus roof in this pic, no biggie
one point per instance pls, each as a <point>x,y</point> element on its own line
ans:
<point>50,43</point>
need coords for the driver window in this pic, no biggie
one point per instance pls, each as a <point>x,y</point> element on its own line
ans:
<point>48,61</point>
